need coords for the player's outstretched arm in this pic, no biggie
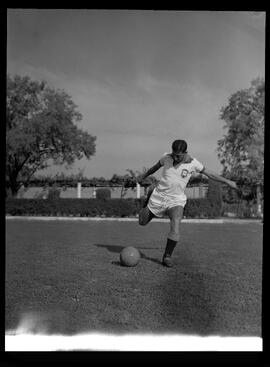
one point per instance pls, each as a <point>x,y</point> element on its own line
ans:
<point>214,176</point>
<point>149,172</point>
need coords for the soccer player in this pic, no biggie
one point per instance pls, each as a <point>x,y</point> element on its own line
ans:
<point>168,197</point>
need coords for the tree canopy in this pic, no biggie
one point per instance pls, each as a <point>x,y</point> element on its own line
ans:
<point>40,128</point>
<point>241,150</point>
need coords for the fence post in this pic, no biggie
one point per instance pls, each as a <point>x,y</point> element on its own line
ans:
<point>79,187</point>
<point>138,187</point>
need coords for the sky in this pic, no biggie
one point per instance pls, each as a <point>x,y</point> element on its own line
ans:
<point>140,78</point>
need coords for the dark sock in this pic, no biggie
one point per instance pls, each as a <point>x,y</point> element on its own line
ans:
<point>170,247</point>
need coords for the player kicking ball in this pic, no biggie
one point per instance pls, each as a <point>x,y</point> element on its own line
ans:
<point>168,197</point>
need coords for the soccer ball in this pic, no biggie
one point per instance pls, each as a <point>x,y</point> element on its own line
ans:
<point>129,256</point>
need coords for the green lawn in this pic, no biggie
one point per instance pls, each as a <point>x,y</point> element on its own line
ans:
<point>67,276</point>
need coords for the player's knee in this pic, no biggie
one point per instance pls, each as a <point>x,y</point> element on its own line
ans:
<point>174,230</point>
<point>175,224</point>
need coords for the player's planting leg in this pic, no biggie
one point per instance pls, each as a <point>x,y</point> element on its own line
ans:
<point>175,215</point>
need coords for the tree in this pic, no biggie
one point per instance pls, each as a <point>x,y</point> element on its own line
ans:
<point>241,150</point>
<point>40,128</point>
<point>127,181</point>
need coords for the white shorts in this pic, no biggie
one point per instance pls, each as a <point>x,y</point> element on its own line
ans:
<point>159,203</point>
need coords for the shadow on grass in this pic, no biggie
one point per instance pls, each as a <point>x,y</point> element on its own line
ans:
<point>117,249</point>
<point>193,314</point>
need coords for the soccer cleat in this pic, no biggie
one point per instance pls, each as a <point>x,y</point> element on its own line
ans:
<point>167,261</point>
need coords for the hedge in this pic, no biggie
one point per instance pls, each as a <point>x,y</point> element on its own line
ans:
<point>214,197</point>
<point>73,207</point>
<point>195,208</point>
<point>200,208</point>
<point>243,210</point>
<point>103,193</point>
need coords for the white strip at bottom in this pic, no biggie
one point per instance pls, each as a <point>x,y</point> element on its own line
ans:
<point>104,342</point>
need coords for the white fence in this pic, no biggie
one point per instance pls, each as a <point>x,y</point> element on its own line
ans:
<point>90,192</point>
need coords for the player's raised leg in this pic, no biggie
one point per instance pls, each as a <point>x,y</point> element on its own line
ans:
<point>145,216</point>
<point>175,214</point>
<point>149,193</point>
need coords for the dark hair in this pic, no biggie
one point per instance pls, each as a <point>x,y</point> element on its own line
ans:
<point>179,146</point>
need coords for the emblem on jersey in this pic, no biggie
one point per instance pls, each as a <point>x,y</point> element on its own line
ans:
<point>184,173</point>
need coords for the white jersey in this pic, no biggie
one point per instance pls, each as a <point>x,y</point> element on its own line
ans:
<point>174,179</point>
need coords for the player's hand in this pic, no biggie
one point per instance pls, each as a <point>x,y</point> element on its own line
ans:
<point>139,180</point>
<point>233,185</point>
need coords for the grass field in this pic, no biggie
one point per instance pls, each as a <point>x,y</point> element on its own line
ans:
<point>66,276</point>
